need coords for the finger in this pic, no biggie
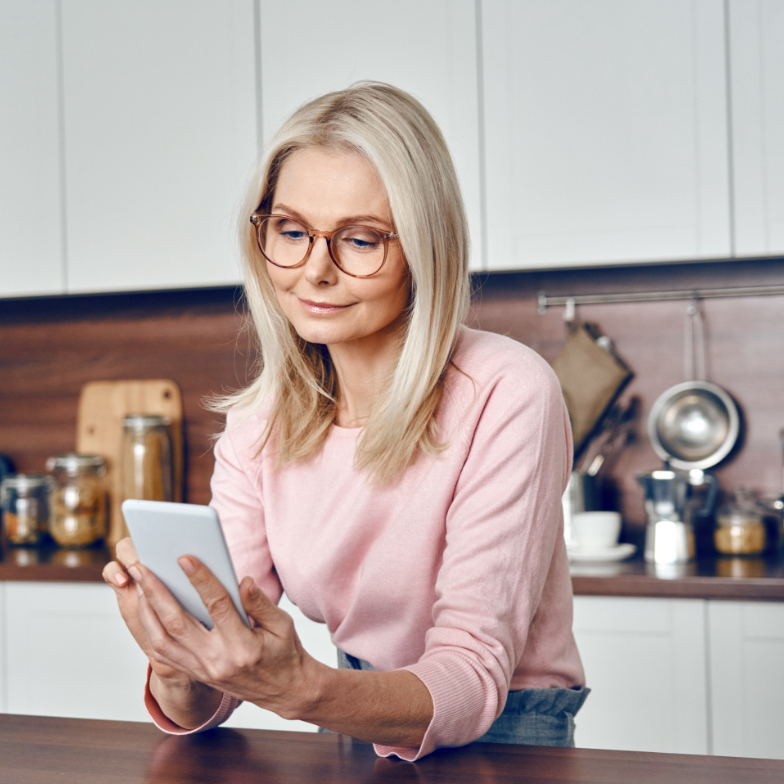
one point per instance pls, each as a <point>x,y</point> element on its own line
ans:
<point>128,601</point>
<point>215,597</point>
<point>114,574</point>
<point>169,611</point>
<point>160,647</point>
<point>173,635</point>
<point>258,605</point>
<point>126,552</point>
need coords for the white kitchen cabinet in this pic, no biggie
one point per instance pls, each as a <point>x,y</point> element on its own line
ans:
<point>427,47</point>
<point>645,663</point>
<point>31,256</point>
<point>3,668</point>
<point>605,129</point>
<point>756,36</point>
<point>68,653</point>
<point>65,651</point>
<point>746,653</point>
<point>656,684</point>
<point>160,134</point>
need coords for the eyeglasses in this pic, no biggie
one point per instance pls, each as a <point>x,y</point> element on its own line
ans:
<point>359,251</point>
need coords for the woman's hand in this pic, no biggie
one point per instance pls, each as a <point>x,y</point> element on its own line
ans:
<point>117,576</point>
<point>265,665</point>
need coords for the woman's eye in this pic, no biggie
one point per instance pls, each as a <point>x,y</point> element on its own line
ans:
<point>290,230</point>
<point>360,239</point>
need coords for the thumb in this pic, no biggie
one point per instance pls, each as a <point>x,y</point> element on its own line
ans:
<point>257,604</point>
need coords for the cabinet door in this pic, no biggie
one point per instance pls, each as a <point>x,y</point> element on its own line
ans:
<point>605,131</point>
<point>427,47</point>
<point>645,664</point>
<point>160,134</point>
<point>747,678</point>
<point>31,259</point>
<point>70,654</point>
<point>756,36</point>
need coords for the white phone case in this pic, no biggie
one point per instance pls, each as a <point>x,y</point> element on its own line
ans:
<point>162,532</point>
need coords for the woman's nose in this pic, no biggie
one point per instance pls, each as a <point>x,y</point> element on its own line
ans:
<point>319,267</point>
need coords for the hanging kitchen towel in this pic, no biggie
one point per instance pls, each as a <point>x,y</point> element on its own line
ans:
<point>591,378</point>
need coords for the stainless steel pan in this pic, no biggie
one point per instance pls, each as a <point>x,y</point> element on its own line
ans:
<point>694,424</point>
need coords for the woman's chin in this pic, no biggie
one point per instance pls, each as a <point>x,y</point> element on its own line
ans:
<point>324,337</point>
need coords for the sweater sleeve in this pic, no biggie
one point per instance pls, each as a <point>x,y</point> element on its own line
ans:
<point>225,709</point>
<point>502,537</point>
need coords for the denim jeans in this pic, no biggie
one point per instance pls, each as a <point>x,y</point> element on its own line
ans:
<point>531,717</point>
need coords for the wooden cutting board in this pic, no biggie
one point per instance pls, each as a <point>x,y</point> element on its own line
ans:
<point>99,429</point>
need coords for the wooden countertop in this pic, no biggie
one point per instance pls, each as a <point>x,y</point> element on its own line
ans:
<point>739,578</point>
<point>49,563</point>
<point>39,750</point>
<point>713,577</point>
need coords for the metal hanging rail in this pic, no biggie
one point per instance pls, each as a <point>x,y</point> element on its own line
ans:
<point>547,301</point>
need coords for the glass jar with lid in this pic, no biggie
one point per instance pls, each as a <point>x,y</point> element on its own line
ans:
<point>740,528</point>
<point>147,458</point>
<point>79,499</point>
<point>24,499</point>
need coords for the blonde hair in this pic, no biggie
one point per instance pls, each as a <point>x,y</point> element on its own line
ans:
<point>296,381</point>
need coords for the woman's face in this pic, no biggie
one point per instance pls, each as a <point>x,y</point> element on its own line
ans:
<point>325,190</point>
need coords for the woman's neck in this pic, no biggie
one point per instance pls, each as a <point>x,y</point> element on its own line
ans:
<point>363,370</point>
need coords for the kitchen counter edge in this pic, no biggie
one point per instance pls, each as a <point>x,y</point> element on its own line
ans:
<point>745,579</point>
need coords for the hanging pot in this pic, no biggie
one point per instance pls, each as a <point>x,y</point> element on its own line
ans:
<point>694,424</point>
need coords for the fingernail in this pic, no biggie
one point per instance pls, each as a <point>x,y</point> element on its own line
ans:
<point>139,590</point>
<point>186,565</point>
<point>121,579</point>
<point>135,573</point>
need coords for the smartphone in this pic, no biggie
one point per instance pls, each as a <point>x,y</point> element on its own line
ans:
<point>162,532</point>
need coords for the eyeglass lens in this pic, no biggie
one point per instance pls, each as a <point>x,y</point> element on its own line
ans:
<point>359,250</point>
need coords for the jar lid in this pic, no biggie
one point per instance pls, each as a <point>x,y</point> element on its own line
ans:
<point>74,461</point>
<point>26,481</point>
<point>738,517</point>
<point>137,422</point>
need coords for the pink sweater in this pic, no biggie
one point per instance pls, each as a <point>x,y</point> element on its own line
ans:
<point>457,573</point>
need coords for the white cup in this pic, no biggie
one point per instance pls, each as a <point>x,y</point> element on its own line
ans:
<point>596,530</point>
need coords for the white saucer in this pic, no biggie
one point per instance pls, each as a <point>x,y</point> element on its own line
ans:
<point>615,553</point>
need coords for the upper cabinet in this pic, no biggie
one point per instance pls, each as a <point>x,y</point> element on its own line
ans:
<point>756,35</point>
<point>31,232</point>
<point>583,133</point>
<point>160,136</point>
<point>427,47</point>
<point>605,131</point>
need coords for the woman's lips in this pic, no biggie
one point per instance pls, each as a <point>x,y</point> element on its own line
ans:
<point>321,307</point>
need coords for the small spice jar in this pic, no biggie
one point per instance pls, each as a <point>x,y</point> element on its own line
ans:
<point>24,499</point>
<point>79,499</point>
<point>740,528</point>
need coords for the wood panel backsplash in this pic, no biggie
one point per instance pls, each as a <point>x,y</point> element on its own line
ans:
<point>50,347</point>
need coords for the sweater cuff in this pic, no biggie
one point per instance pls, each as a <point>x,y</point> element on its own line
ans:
<point>225,709</point>
<point>457,700</point>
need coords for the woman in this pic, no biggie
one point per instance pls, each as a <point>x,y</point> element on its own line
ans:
<point>398,475</point>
